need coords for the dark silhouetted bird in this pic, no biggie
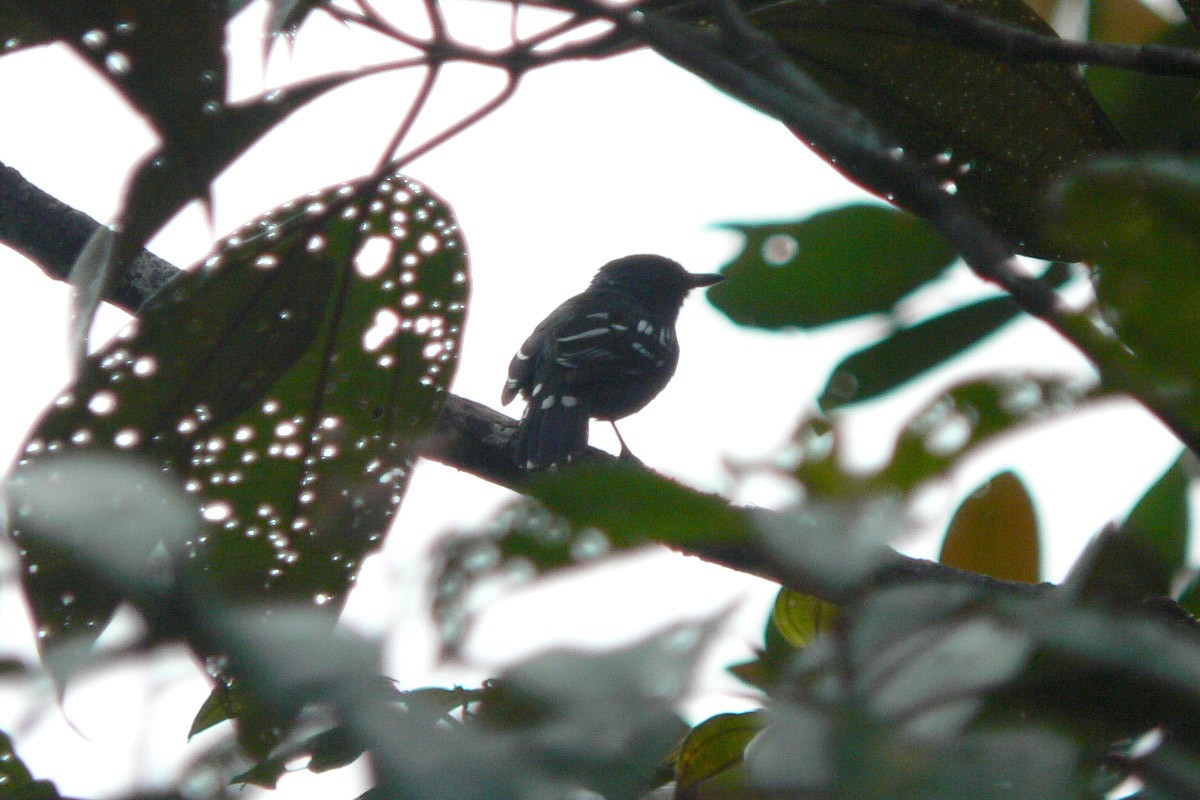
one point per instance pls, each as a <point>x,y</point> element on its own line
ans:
<point>603,354</point>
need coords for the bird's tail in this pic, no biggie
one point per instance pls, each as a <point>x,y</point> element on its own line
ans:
<point>554,430</point>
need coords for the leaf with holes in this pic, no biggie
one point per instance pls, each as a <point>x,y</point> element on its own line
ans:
<point>168,59</point>
<point>287,383</point>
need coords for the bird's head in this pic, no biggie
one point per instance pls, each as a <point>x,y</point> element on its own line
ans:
<point>655,280</point>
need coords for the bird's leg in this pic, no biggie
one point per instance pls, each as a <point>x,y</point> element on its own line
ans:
<point>626,454</point>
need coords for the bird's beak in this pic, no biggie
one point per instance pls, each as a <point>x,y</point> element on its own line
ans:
<point>704,279</point>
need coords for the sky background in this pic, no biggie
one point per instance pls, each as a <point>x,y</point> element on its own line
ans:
<point>589,162</point>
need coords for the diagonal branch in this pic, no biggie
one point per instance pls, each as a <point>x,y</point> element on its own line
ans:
<point>469,436</point>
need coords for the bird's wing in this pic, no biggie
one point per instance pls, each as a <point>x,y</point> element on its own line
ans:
<point>616,340</point>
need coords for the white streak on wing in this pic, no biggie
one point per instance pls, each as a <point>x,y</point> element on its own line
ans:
<point>584,335</point>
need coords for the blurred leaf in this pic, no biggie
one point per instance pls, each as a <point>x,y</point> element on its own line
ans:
<point>911,351</point>
<point>714,746</point>
<point>801,617</point>
<point>288,383</point>
<point>995,532</point>
<point>1157,113</point>
<point>948,429</point>
<point>329,749</point>
<point>90,278</point>
<point>795,753</point>
<point>1127,21</point>
<point>604,720</point>
<point>830,267</point>
<point>16,781</point>
<point>1191,9</point>
<point>1138,221</point>
<point>1001,131</point>
<point>13,668</point>
<point>1118,569</point>
<point>259,729</point>
<point>769,666</point>
<point>1159,521</point>
<point>970,414</point>
<point>523,542</point>
<point>1001,764</point>
<point>634,506</point>
<point>926,655</point>
<point>89,525</point>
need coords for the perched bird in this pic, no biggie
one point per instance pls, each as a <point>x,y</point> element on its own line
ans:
<point>603,354</point>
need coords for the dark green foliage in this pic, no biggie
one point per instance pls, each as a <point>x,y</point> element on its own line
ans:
<point>999,131</point>
<point>831,267</point>
<point>286,384</point>
<point>226,465</point>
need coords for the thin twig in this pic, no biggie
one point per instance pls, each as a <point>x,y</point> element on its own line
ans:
<point>467,121</point>
<point>410,116</point>
<point>974,29</point>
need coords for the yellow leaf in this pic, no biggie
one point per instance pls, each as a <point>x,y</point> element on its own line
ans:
<point>995,532</point>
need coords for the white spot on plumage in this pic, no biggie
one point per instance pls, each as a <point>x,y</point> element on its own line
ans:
<point>548,402</point>
<point>641,350</point>
<point>522,355</point>
<point>569,401</point>
<point>584,335</point>
<point>536,390</point>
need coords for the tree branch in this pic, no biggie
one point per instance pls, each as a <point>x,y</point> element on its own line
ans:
<point>749,66</point>
<point>976,30</point>
<point>468,436</point>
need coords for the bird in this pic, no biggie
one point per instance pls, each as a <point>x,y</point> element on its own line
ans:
<point>604,354</point>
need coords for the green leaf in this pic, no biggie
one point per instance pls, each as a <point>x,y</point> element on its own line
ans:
<point>1155,112</point>
<point>1138,221</point>
<point>89,524</point>
<point>1001,131</point>
<point>830,267</point>
<point>800,617</point>
<point>937,437</point>
<point>1139,558</point>
<point>714,746</point>
<point>16,781</point>
<point>604,720</point>
<point>168,59</point>
<point>912,351</point>
<point>1159,521</point>
<point>995,532</point>
<point>288,15</point>
<point>19,29</point>
<point>523,542</point>
<point>287,383</point>
<point>634,506</point>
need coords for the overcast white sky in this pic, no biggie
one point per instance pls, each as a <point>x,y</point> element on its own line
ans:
<point>589,162</point>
